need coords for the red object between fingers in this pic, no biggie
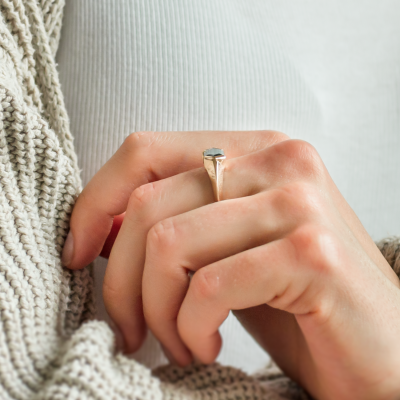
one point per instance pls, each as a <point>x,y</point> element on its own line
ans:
<point>108,244</point>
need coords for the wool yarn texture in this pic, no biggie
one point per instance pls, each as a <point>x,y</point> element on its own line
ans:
<point>51,347</point>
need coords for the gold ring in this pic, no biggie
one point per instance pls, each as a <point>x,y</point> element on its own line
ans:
<point>213,160</point>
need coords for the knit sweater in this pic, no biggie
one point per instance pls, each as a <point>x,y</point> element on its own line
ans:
<point>50,345</point>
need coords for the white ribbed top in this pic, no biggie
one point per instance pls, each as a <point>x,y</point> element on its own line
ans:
<point>327,72</point>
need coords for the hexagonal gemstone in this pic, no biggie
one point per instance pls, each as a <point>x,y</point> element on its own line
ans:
<point>213,152</point>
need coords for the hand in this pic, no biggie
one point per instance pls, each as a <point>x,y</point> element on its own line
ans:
<point>117,188</point>
<point>283,248</point>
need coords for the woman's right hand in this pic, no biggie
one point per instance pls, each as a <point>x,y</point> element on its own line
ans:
<point>122,191</point>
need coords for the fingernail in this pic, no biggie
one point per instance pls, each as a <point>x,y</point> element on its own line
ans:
<point>68,250</point>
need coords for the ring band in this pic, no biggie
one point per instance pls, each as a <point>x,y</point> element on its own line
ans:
<point>213,160</point>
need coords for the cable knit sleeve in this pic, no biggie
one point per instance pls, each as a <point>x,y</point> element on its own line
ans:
<point>50,345</point>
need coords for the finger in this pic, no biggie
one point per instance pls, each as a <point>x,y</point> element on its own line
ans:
<point>268,274</point>
<point>143,158</point>
<point>149,204</point>
<point>194,239</point>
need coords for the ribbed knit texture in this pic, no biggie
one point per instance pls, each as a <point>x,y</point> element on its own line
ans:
<point>47,350</point>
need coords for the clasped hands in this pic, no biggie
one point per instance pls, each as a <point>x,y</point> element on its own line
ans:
<point>283,250</point>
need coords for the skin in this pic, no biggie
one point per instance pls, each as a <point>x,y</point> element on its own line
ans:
<point>283,250</point>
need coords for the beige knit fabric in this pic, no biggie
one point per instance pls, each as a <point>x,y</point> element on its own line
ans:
<point>50,348</point>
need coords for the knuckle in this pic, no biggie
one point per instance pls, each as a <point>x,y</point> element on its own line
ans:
<point>303,157</point>
<point>137,140</point>
<point>205,284</point>
<point>297,148</point>
<point>283,197</point>
<point>318,248</point>
<point>299,198</point>
<point>308,196</point>
<point>162,236</point>
<point>141,199</point>
<point>136,147</point>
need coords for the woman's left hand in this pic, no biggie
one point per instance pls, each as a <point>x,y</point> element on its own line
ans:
<point>288,254</point>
